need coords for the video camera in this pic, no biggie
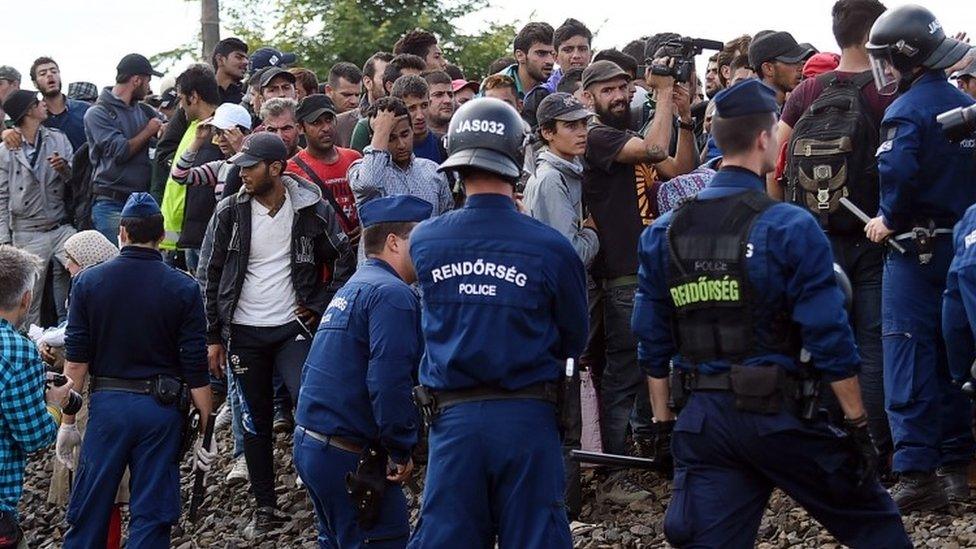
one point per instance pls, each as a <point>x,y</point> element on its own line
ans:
<point>74,399</point>
<point>682,51</point>
<point>959,123</point>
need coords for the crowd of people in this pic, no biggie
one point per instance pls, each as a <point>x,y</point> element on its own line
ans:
<point>291,256</point>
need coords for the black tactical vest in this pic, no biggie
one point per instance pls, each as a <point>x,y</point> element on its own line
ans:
<point>709,284</point>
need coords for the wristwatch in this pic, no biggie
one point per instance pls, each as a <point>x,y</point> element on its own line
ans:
<point>690,126</point>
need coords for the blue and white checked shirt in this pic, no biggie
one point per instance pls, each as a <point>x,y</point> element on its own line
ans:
<point>25,424</point>
<point>376,175</point>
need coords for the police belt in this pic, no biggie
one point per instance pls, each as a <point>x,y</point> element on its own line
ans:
<point>710,382</point>
<point>137,386</point>
<point>548,392</point>
<point>931,232</point>
<point>341,443</point>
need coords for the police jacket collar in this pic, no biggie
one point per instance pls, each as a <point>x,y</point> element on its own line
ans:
<point>138,252</point>
<point>490,200</point>
<point>930,76</point>
<point>737,178</point>
<point>383,265</point>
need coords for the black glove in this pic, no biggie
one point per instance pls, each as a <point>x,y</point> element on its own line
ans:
<point>864,448</point>
<point>661,445</point>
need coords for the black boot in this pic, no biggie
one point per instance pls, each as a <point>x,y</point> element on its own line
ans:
<point>919,491</point>
<point>955,481</point>
<point>266,520</point>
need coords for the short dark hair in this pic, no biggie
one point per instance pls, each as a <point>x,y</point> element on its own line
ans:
<point>410,86</point>
<point>853,20</point>
<point>386,103</point>
<point>570,28</point>
<point>345,70</point>
<point>436,77</point>
<point>226,47</point>
<point>122,78</point>
<point>418,42</point>
<point>454,72</point>
<point>305,79</point>
<point>655,42</point>
<point>144,230</point>
<point>201,79</point>
<point>500,64</point>
<point>736,135</point>
<point>570,80</point>
<point>733,48</point>
<point>533,33</point>
<point>369,67</point>
<point>635,48</point>
<point>624,61</point>
<point>394,69</point>
<point>43,60</point>
<point>374,237</point>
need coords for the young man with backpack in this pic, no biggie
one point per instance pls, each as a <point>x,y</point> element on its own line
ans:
<point>831,124</point>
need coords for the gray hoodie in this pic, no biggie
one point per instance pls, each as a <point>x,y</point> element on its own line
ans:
<point>554,196</point>
<point>109,125</point>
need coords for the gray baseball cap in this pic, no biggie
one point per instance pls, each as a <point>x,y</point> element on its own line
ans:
<point>9,73</point>
<point>561,106</point>
<point>968,70</point>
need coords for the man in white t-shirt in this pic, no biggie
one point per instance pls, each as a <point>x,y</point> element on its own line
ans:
<point>273,257</point>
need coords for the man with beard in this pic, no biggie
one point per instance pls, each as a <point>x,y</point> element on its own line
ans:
<point>344,86</point>
<point>325,164</point>
<point>118,129</point>
<point>778,61</point>
<point>620,188</point>
<point>441,106</point>
<point>63,114</point>
<point>713,84</point>
<point>9,82</point>
<point>230,62</point>
<point>372,83</point>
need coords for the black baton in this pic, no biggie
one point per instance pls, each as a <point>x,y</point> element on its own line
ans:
<point>865,218</point>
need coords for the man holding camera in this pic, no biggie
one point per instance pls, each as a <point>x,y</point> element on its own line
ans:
<point>29,413</point>
<point>138,326</point>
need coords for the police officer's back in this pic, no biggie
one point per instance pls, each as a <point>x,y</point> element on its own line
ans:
<point>137,326</point>
<point>504,305</point>
<point>730,283</point>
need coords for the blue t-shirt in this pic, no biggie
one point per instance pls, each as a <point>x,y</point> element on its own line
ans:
<point>430,148</point>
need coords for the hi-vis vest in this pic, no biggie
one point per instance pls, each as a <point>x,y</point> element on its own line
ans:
<point>708,281</point>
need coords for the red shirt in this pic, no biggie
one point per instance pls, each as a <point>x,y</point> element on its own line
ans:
<point>333,176</point>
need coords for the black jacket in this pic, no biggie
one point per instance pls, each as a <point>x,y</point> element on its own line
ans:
<point>322,260</point>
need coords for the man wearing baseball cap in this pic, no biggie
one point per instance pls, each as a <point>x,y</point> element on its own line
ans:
<point>264,293</point>
<point>464,91</point>
<point>323,162</point>
<point>778,61</point>
<point>270,57</point>
<point>9,81</point>
<point>118,129</point>
<point>966,79</point>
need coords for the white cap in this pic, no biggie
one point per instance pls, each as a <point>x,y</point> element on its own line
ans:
<point>230,115</point>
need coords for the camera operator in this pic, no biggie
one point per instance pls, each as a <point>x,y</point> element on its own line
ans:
<point>29,414</point>
<point>926,184</point>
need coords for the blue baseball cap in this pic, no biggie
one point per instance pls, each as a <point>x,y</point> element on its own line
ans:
<point>270,57</point>
<point>140,205</point>
<point>402,208</point>
<point>745,98</point>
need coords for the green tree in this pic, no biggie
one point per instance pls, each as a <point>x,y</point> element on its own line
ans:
<point>322,33</point>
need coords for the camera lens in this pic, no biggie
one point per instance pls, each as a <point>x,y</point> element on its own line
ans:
<point>959,123</point>
<point>74,404</point>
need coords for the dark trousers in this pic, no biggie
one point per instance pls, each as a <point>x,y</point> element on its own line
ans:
<point>863,262</point>
<point>255,353</point>
<point>624,398</point>
<point>727,463</point>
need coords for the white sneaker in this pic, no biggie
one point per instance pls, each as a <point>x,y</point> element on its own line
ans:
<point>238,473</point>
<point>223,417</point>
<point>298,481</point>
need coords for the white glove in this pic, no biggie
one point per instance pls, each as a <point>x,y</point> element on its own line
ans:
<point>203,458</point>
<point>69,438</point>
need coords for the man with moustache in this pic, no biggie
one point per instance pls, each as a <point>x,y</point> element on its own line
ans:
<point>63,113</point>
<point>778,61</point>
<point>620,189</point>
<point>440,108</point>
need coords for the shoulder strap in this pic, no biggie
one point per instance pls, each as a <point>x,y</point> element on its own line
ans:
<point>863,79</point>
<point>326,191</point>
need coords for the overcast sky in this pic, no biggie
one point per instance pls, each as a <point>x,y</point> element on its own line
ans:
<point>88,38</point>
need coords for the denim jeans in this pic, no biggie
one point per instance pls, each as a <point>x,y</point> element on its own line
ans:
<point>106,214</point>
<point>236,423</point>
<point>624,398</point>
<point>864,263</point>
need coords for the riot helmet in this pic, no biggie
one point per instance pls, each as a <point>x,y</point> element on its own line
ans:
<point>488,134</point>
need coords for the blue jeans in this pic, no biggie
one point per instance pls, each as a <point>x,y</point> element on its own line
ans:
<point>106,214</point>
<point>236,425</point>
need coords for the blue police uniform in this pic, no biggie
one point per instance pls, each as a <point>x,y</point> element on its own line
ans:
<point>132,318</point>
<point>356,390</point>
<point>504,305</point>
<point>926,181</point>
<point>727,461</point>
<point>959,300</point>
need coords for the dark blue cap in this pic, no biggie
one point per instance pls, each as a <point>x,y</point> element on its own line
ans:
<point>402,208</point>
<point>270,57</point>
<point>747,97</point>
<point>140,205</point>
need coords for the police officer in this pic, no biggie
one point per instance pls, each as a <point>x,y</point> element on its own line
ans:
<point>959,300</point>
<point>729,282</point>
<point>926,185</point>
<point>137,326</point>
<point>504,303</point>
<point>356,384</point>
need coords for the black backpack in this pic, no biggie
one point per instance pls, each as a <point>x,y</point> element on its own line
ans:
<point>831,155</point>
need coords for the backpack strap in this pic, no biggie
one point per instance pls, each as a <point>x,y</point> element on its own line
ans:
<point>326,191</point>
